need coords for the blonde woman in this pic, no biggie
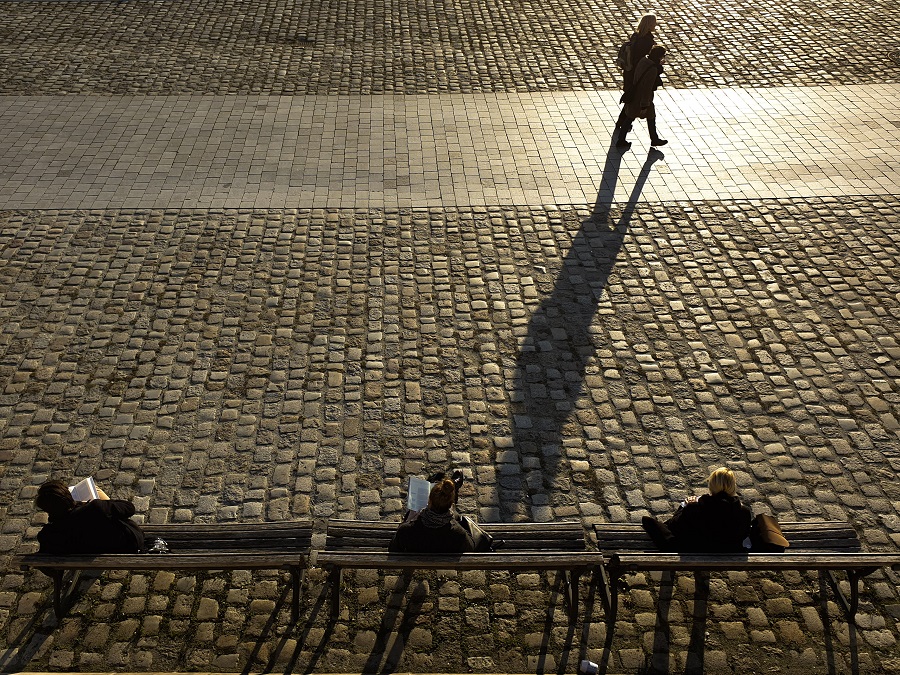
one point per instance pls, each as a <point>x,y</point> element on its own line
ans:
<point>641,42</point>
<point>715,523</point>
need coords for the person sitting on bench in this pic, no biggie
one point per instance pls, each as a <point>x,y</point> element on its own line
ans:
<point>715,523</point>
<point>101,525</point>
<point>434,529</point>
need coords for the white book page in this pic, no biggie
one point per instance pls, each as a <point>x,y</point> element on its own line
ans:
<point>419,489</point>
<point>85,491</point>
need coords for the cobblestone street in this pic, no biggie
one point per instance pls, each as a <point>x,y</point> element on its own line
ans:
<point>452,282</point>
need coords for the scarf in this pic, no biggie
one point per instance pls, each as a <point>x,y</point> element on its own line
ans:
<point>434,520</point>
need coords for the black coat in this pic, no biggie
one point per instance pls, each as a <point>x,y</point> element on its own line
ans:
<point>97,526</point>
<point>640,47</point>
<point>646,80</point>
<point>414,536</point>
<point>716,523</point>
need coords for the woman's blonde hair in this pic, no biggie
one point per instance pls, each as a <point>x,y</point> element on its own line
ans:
<point>442,496</point>
<point>722,479</point>
<point>646,24</point>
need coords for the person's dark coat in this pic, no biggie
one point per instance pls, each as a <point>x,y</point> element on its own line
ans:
<point>716,523</point>
<point>430,532</point>
<point>97,526</point>
<point>640,47</point>
<point>646,80</point>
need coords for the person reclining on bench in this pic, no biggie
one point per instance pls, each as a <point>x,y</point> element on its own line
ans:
<point>715,523</point>
<point>437,528</point>
<point>101,525</point>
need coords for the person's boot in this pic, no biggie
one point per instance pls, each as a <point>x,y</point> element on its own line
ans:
<point>655,140</point>
<point>623,143</point>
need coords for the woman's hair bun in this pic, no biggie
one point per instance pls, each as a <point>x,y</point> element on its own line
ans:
<point>442,496</point>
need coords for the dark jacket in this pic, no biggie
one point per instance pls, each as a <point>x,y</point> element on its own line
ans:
<point>640,47</point>
<point>97,526</point>
<point>716,523</point>
<point>420,535</point>
<point>646,80</point>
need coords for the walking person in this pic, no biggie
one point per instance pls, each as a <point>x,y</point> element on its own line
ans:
<point>639,46</point>
<point>647,78</point>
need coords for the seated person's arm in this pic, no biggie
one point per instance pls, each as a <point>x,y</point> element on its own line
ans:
<point>398,543</point>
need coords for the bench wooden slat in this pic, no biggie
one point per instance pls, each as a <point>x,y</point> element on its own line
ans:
<point>467,561</point>
<point>375,535</point>
<point>144,561</point>
<point>814,535</point>
<point>796,545</point>
<point>751,561</point>
<point>340,543</point>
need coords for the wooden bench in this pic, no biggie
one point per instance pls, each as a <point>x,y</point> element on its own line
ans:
<point>194,546</point>
<point>359,544</point>
<point>822,546</point>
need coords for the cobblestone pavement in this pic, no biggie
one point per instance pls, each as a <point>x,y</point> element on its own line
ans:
<point>428,46</point>
<point>416,151</point>
<point>278,364</point>
<point>584,352</point>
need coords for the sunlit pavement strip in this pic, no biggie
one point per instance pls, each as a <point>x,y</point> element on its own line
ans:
<point>66,152</point>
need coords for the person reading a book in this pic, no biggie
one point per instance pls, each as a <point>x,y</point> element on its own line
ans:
<point>100,525</point>
<point>715,523</point>
<point>434,529</point>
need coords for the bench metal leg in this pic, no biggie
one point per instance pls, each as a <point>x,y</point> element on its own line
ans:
<point>613,579</point>
<point>853,577</point>
<point>600,579</point>
<point>334,578</point>
<point>571,580</point>
<point>57,576</point>
<point>297,576</point>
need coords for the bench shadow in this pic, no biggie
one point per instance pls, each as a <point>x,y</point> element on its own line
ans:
<point>830,656</point>
<point>35,633</point>
<point>386,654</point>
<point>556,600</point>
<point>264,634</point>
<point>554,354</point>
<point>13,657</point>
<point>291,662</point>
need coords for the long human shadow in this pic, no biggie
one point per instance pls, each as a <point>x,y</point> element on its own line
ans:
<point>554,354</point>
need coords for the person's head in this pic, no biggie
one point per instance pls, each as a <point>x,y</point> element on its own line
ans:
<point>657,53</point>
<point>722,480</point>
<point>442,496</point>
<point>646,24</point>
<point>54,498</point>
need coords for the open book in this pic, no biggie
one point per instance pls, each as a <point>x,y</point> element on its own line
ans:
<point>85,491</point>
<point>419,489</point>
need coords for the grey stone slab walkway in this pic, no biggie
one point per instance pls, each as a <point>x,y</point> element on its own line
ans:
<point>71,152</point>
